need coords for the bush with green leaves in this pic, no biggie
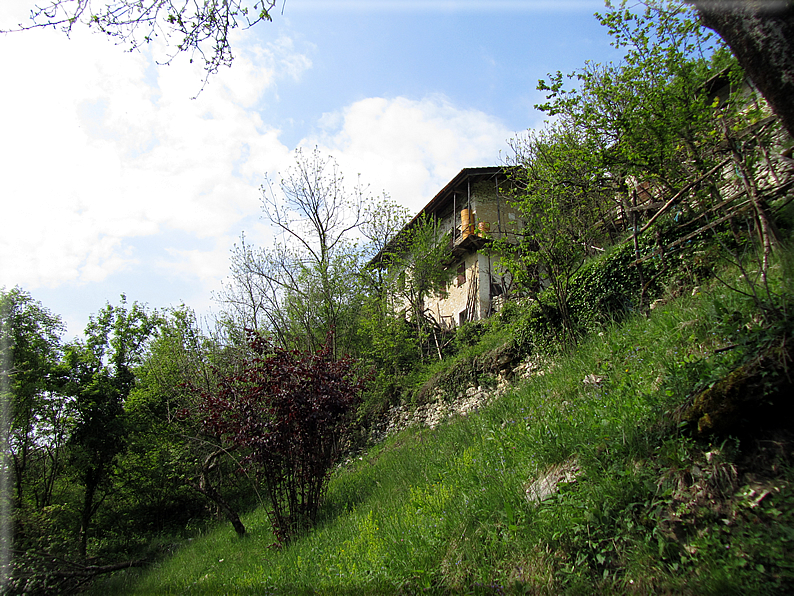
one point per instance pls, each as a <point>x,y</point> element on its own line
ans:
<point>470,333</point>
<point>534,331</point>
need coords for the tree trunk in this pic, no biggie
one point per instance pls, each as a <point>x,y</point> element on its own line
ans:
<point>761,35</point>
<point>91,483</point>
<point>205,488</point>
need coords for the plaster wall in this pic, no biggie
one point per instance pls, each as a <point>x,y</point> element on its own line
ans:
<point>460,296</point>
<point>470,298</point>
<point>485,205</point>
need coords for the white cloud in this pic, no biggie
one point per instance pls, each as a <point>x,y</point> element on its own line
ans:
<point>410,148</point>
<point>101,147</point>
<point>208,266</point>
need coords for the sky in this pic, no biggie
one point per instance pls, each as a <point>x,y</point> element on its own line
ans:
<point>115,177</point>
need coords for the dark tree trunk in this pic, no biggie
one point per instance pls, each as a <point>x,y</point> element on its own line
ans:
<point>204,486</point>
<point>91,483</point>
<point>761,35</point>
<point>206,489</point>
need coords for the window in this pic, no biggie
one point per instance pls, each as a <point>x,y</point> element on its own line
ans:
<point>461,274</point>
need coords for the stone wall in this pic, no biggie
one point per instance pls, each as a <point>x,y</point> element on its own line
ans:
<point>444,407</point>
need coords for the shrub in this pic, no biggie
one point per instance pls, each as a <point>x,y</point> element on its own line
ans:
<point>510,311</point>
<point>287,411</point>
<point>535,330</point>
<point>469,333</point>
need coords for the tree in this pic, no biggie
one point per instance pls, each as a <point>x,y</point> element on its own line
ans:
<point>390,342</point>
<point>563,192</point>
<point>647,117</point>
<point>98,374</point>
<point>30,348</point>
<point>642,126</point>
<point>382,221</point>
<point>200,28</point>
<point>160,449</point>
<point>418,267</point>
<point>169,456</point>
<point>761,35</point>
<point>669,48</point>
<point>287,412</point>
<point>305,284</point>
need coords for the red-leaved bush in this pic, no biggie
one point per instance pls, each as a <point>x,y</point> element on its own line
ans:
<point>287,411</point>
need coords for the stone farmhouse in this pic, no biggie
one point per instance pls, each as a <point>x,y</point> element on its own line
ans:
<point>474,212</point>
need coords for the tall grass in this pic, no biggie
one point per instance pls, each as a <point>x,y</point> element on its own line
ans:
<point>446,510</point>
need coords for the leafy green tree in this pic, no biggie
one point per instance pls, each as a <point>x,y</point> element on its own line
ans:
<point>761,35</point>
<point>672,135</point>
<point>98,373</point>
<point>383,220</point>
<point>30,348</point>
<point>565,196</point>
<point>647,116</point>
<point>418,267</point>
<point>158,444</point>
<point>387,340</point>
<point>642,126</point>
<point>327,299</point>
<point>168,456</point>
<point>388,343</point>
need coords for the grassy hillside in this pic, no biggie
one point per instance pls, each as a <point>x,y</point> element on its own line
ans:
<point>654,458</point>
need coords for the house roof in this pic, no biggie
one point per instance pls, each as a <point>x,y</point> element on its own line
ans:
<point>442,199</point>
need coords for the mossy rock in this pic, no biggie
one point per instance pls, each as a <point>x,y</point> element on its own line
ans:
<point>758,393</point>
<point>502,359</point>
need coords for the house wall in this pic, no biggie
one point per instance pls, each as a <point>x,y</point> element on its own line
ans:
<point>484,290</point>
<point>485,206</point>
<point>470,298</point>
<point>459,298</point>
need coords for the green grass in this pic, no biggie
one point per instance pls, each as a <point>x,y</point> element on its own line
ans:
<point>445,510</point>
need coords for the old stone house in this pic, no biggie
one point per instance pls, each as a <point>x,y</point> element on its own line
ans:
<point>475,213</point>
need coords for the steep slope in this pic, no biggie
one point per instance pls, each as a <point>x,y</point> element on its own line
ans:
<point>596,474</point>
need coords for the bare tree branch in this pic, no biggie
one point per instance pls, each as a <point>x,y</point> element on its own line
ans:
<point>199,29</point>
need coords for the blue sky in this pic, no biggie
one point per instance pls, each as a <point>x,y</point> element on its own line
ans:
<point>114,180</point>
